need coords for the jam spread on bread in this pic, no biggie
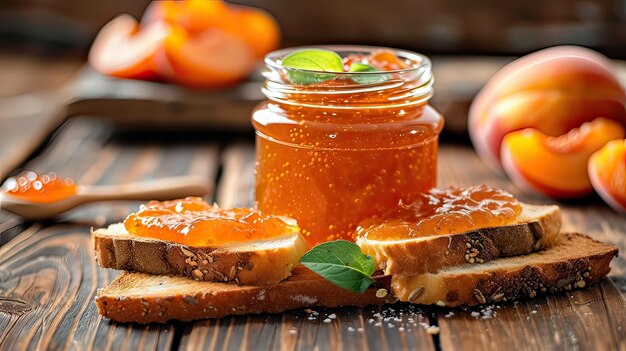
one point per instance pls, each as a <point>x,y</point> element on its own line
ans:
<point>444,211</point>
<point>44,188</point>
<point>194,222</point>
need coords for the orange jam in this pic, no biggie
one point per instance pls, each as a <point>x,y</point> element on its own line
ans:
<point>444,211</point>
<point>193,222</point>
<point>333,153</point>
<point>43,188</point>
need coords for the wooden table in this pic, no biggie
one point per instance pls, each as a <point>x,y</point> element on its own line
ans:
<point>48,277</point>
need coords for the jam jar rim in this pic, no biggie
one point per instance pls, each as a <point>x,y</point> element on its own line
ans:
<point>412,86</point>
<point>422,61</point>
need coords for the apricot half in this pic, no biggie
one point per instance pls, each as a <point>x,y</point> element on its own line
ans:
<point>211,58</point>
<point>552,90</point>
<point>122,50</point>
<point>607,171</point>
<point>556,166</point>
<point>254,26</point>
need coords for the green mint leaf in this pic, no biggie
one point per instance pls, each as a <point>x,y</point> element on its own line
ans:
<point>312,60</point>
<point>367,78</point>
<point>342,263</point>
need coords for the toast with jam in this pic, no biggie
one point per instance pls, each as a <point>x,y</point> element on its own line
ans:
<point>452,247</point>
<point>535,228</point>
<point>574,262</point>
<point>191,238</point>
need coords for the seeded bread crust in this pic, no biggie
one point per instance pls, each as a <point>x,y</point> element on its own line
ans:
<point>538,228</point>
<point>144,298</point>
<point>258,263</point>
<point>575,262</point>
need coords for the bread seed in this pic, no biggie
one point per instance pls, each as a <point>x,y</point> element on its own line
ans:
<point>479,297</point>
<point>497,297</point>
<point>432,330</point>
<point>581,284</point>
<point>416,293</point>
<point>186,252</point>
<point>380,293</point>
<point>441,303</point>
<point>190,300</point>
<point>197,273</point>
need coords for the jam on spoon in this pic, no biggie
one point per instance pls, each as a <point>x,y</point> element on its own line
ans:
<point>44,188</point>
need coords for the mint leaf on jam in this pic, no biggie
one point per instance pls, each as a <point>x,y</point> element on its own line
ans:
<point>311,60</point>
<point>342,263</point>
<point>367,78</point>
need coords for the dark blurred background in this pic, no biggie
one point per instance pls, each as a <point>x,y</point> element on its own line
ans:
<point>43,43</point>
<point>434,27</point>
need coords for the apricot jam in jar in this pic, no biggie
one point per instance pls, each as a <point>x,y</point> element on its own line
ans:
<point>335,148</point>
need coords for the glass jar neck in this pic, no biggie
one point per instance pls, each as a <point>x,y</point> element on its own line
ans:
<point>402,88</point>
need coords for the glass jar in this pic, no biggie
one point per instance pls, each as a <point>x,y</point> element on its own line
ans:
<point>347,148</point>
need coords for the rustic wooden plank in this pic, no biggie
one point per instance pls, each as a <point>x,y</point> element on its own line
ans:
<point>344,328</point>
<point>48,277</point>
<point>571,320</point>
<point>26,121</point>
<point>588,319</point>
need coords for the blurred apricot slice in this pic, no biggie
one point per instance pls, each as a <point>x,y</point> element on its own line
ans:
<point>607,171</point>
<point>556,166</point>
<point>193,15</point>
<point>123,49</point>
<point>256,27</point>
<point>211,58</point>
<point>166,11</point>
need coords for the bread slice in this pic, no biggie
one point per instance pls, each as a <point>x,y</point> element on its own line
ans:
<point>144,298</point>
<point>574,262</point>
<point>254,263</point>
<point>535,228</point>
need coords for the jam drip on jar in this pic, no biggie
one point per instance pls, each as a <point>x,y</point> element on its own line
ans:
<point>444,211</point>
<point>43,188</point>
<point>193,222</point>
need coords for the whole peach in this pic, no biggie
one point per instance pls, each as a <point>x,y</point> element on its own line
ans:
<point>552,90</point>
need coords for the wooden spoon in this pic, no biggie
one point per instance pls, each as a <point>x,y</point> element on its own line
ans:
<point>159,189</point>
